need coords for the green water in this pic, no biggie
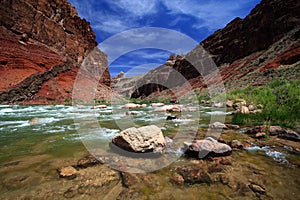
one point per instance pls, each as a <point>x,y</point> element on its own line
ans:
<point>30,152</point>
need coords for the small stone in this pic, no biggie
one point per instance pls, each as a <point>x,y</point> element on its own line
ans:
<point>171,117</point>
<point>177,179</point>
<point>251,107</point>
<point>260,135</point>
<point>290,135</point>
<point>157,104</point>
<point>131,113</point>
<point>130,105</point>
<point>257,188</point>
<point>224,179</point>
<point>217,125</point>
<point>229,104</point>
<point>215,168</point>
<point>245,110</point>
<point>256,129</point>
<point>100,107</point>
<point>88,161</point>
<point>232,126</point>
<point>276,130</point>
<point>260,106</point>
<point>236,144</point>
<point>67,172</point>
<point>218,105</point>
<point>35,121</point>
<point>71,192</point>
<point>225,161</point>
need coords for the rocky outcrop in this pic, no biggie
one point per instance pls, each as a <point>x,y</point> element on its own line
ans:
<point>43,44</point>
<point>250,51</point>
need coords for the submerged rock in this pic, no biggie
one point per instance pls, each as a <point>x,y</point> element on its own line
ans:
<point>35,121</point>
<point>88,161</point>
<point>232,126</point>
<point>192,174</point>
<point>257,188</point>
<point>177,179</point>
<point>207,147</point>
<point>143,139</point>
<point>67,172</point>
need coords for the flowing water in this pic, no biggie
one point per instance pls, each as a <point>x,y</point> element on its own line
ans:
<point>36,140</point>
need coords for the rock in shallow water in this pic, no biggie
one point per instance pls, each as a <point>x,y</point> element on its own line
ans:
<point>139,140</point>
<point>208,146</point>
<point>67,172</point>
<point>217,125</point>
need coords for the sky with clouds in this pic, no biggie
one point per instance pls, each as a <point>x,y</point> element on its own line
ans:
<point>196,19</point>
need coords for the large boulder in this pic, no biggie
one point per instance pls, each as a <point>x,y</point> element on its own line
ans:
<point>140,140</point>
<point>207,147</point>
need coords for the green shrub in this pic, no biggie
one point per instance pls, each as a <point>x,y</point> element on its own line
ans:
<point>281,100</point>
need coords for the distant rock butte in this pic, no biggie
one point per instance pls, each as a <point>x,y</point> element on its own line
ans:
<point>250,51</point>
<point>43,44</point>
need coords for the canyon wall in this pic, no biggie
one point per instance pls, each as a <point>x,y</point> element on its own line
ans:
<point>251,51</point>
<point>43,43</point>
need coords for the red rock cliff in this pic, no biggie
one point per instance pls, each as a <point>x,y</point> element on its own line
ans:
<point>43,43</point>
<point>250,51</point>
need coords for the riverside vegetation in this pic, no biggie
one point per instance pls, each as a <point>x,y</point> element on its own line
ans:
<point>281,101</point>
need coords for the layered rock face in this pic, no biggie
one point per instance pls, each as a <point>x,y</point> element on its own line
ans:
<point>43,44</point>
<point>251,51</point>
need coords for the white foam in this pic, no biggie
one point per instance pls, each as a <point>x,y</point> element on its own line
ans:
<point>276,155</point>
<point>218,113</point>
<point>183,120</point>
<point>6,110</point>
<point>97,134</point>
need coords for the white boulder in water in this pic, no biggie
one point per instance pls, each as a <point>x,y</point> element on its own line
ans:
<point>208,146</point>
<point>140,140</point>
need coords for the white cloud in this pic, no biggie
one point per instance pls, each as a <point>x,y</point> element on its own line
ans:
<point>137,8</point>
<point>209,14</point>
<point>160,55</point>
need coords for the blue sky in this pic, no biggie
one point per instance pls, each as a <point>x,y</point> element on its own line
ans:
<point>195,18</point>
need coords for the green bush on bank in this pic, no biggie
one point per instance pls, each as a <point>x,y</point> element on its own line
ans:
<point>281,100</point>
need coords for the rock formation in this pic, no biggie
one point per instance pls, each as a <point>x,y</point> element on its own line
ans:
<point>250,51</point>
<point>43,44</point>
